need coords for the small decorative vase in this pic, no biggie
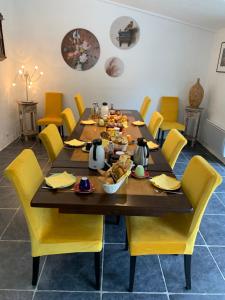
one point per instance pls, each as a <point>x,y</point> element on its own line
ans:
<point>196,94</point>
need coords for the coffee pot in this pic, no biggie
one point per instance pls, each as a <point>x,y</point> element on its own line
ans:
<point>96,155</point>
<point>141,153</point>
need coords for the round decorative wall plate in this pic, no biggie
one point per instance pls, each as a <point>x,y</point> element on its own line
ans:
<point>124,32</point>
<point>80,49</point>
<point>114,67</point>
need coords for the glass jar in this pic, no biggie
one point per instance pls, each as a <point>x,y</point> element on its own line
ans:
<point>104,110</point>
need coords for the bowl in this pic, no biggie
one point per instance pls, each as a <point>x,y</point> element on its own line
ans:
<point>113,188</point>
<point>120,147</point>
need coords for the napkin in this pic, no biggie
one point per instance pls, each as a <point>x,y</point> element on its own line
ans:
<point>75,143</point>
<point>87,122</point>
<point>152,145</point>
<point>166,182</point>
<point>60,180</point>
<point>138,123</point>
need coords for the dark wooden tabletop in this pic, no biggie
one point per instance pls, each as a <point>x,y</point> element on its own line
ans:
<point>67,201</point>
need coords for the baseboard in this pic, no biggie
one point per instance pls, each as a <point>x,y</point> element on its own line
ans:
<point>222,159</point>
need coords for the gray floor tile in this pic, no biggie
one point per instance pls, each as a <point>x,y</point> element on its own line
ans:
<point>213,229</point>
<point>4,182</point>
<point>15,295</point>
<point>5,218</point>
<point>206,277</point>
<point>182,158</point>
<point>219,168</point>
<point>221,196</point>
<point>148,277</point>
<point>215,206</point>
<point>69,272</point>
<point>197,297</point>
<point>17,230</point>
<point>66,296</point>
<point>219,255</point>
<point>133,296</point>
<point>221,187</point>
<point>9,198</point>
<point>199,240</point>
<point>179,168</point>
<point>15,265</point>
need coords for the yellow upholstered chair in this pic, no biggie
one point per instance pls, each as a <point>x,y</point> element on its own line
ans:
<point>174,233</point>
<point>155,122</point>
<point>52,141</point>
<point>145,107</point>
<point>172,146</point>
<point>52,232</point>
<point>53,109</point>
<point>69,120</point>
<point>80,104</point>
<point>169,108</point>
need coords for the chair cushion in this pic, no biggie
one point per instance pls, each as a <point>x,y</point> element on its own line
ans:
<point>70,233</point>
<point>166,125</point>
<point>159,235</point>
<point>50,120</point>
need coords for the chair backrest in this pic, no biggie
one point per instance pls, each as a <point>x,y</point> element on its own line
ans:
<point>80,104</point>
<point>145,107</point>
<point>53,104</point>
<point>172,146</point>
<point>199,181</point>
<point>69,120</point>
<point>26,176</point>
<point>51,140</point>
<point>155,122</point>
<point>169,107</point>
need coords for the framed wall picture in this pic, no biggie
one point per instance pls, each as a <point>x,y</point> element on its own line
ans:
<point>80,49</point>
<point>114,67</point>
<point>221,59</point>
<point>2,47</point>
<point>124,32</point>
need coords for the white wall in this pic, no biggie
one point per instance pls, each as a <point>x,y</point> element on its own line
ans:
<point>213,132</point>
<point>166,61</point>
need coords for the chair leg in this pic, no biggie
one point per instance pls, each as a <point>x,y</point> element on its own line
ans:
<point>62,131</point>
<point>126,243</point>
<point>187,270</point>
<point>39,128</point>
<point>158,138</point>
<point>98,269</point>
<point>162,138</point>
<point>36,261</point>
<point>117,220</point>
<point>132,272</point>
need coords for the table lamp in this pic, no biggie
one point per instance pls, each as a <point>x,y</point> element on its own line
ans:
<point>28,78</point>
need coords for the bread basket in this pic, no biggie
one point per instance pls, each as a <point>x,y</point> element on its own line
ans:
<point>113,188</point>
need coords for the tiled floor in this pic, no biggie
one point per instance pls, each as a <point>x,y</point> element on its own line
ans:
<point>72,276</point>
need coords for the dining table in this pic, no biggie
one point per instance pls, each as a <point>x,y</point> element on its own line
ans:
<point>136,197</point>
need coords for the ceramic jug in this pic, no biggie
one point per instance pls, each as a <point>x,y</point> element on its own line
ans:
<point>96,155</point>
<point>141,153</point>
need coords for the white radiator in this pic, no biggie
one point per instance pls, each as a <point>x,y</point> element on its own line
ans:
<point>214,137</point>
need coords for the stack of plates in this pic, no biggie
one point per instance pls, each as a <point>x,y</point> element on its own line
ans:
<point>138,123</point>
<point>60,180</point>
<point>152,146</point>
<point>75,143</point>
<point>87,122</point>
<point>165,182</point>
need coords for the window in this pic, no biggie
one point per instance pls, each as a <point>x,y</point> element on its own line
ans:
<point>2,47</point>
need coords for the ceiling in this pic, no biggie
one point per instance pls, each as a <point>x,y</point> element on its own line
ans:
<point>208,14</point>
